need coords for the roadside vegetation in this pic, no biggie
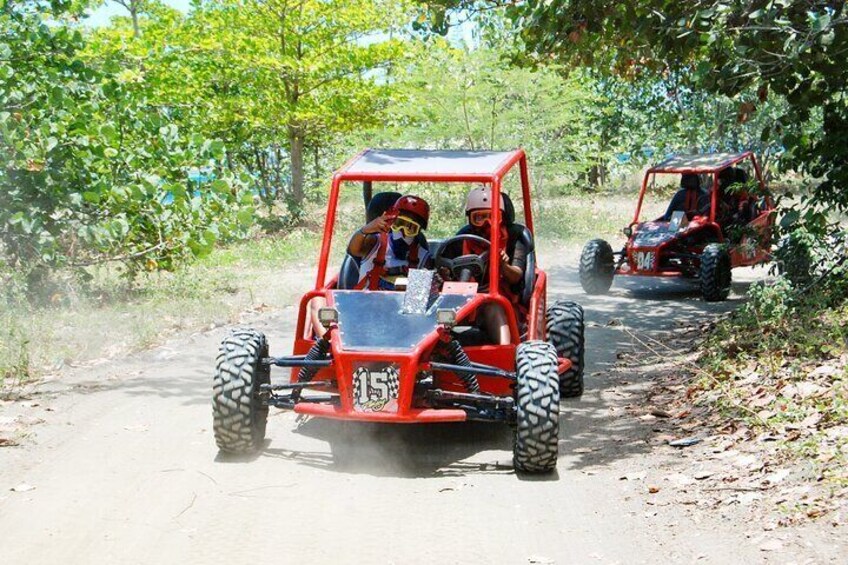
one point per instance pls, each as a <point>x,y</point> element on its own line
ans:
<point>780,364</point>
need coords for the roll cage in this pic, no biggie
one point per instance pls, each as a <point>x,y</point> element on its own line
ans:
<point>406,165</point>
<point>710,164</point>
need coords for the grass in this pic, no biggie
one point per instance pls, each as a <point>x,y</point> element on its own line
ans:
<point>105,317</point>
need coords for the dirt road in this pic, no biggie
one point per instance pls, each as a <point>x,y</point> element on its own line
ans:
<point>124,469</point>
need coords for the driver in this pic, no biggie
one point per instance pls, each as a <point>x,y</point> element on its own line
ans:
<point>687,199</point>
<point>391,243</point>
<point>513,259</point>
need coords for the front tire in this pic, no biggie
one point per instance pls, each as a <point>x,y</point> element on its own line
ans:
<point>239,416</point>
<point>537,408</point>
<point>597,267</point>
<point>715,273</point>
<point>564,322</point>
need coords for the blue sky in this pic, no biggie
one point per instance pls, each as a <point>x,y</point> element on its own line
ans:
<point>101,15</point>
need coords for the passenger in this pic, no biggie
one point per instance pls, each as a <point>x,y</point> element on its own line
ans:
<point>728,201</point>
<point>385,248</point>
<point>391,243</point>
<point>735,208</point>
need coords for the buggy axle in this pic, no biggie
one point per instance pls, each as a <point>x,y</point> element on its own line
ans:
<point>473,368</point>
<point>297,361</point>
<point>288,402</point>
<point>292,386</point>
<point>483,407</point>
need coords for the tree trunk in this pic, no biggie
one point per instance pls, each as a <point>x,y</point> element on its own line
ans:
<point>296,152</point>
<point>134,14</point>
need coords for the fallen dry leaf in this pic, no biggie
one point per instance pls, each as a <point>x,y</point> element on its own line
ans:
<point>23,487</point>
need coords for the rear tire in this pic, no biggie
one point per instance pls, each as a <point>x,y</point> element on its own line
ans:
<point>715,273</point>
<point>564,321</point>
<point>537,408</point>
<point>597,267</point>
<point>239,416</point>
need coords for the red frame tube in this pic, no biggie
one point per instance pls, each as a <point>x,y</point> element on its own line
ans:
<point>698,170</point>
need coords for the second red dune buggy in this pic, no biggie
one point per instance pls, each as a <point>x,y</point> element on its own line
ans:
<point>718,220</point>
<point>414,355</point>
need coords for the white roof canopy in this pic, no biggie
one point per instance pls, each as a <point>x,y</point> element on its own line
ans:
<point>705,162</point>
<point>423,163</point>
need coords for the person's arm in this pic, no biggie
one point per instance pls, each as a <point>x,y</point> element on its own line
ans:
<point>678,202</point>
<point>513,269</point>
<point>364,239</point>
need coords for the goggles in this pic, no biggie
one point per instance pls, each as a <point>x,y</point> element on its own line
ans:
<point>479,218</point>
<point>408,227</point>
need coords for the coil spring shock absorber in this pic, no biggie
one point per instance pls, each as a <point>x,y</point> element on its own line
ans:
<point>459,357</point>
<point>318,351</point>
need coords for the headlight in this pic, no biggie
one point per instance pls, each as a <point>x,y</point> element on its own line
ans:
<point>446,317</point>
<point>328,316</point>
<point>628,231</point>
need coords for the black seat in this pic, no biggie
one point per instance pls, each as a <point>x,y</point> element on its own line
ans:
<point>520,233</point>
<point>686,199</point>
<point>349,273</point>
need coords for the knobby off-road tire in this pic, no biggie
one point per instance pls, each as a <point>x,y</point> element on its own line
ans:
<point>239,416</point>
<point>564,321</point>
<point>597,266</point>
<point>537,408</point>
<point>715,273</point>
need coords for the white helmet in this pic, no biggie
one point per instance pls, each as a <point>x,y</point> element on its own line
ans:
<point>480,197</point>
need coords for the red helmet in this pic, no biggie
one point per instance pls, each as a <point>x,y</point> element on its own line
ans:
<point>415,207</point>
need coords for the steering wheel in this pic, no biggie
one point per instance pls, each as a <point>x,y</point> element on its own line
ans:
<point>465,267</point>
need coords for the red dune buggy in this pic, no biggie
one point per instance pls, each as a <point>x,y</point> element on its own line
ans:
<point>414,355</point>
<point>718,220</point>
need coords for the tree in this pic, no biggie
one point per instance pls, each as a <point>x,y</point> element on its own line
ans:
<point>135,8</point>
<point>92,171</point>
<point>795,49</point>
<point>270,77</point>
<point>457,98</point>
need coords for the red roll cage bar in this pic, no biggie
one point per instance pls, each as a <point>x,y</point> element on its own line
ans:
<point>710,163</point>
<point>400,165</point>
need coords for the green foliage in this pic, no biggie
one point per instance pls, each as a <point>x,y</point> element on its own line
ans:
<point>791,48</point>
<point>278,82</point>
<point>455,98</point>
<point>93,171</point>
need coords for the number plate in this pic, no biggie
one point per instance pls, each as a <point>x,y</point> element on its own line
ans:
<point>644,260</point>
<point>375,388</point>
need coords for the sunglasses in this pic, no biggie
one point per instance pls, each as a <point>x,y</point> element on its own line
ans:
<point>480,218</point>
<point>406,226</point>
